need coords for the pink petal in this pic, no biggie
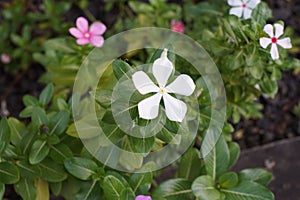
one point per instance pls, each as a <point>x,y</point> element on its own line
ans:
<point>274,52</point>
<point>82,41</point>
<point>97,28</point>
<point>82,24</point>
<point>285,43</point>
<point>75,32</point>
<point>97,41</point>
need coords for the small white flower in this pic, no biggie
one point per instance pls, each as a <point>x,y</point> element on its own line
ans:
<point>274,39</point>
<point>183,85</point>
<point>242,7</point>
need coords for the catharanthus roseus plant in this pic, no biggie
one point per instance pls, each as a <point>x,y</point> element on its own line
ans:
<point>41,152</point>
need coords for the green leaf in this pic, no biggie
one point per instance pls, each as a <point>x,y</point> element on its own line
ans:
<point>2,190</point>
<point>262,13</point>
<point>234,151</point>
<point>113,185</point>
<point>29,100</point>
<point>89,191</point>
<point>257,175</point>
<point>59,44</point>
<point>140,7</point>
<point>229,180</point>
<point>127,194</point>
<point>46,94</point>
<point>9,173</point>
<point>38,152</point>
<point>248,190</point>
<point>216,162</point>
<point>204,188</point>
<point>59,153</point>
<point>51,171</point>
<point>174,189</point>
<point>141,182</point>
<point>59,122</point>
<point>25,188</point>
<point>55,188</point>
<point>120,68</point>
<point>4,134</point>
<point>27,170</point>
<point>190,165</point>
<point>17,129</point>
<point>82,168</point>
<point>269,86</point>
<point>39,116</point>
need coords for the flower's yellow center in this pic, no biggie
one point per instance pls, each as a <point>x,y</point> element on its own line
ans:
<point>162,90</point>
<point>87,35</point>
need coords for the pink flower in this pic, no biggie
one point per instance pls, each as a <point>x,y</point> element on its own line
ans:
<point>177,26</point>
<point>86,35</point>
<point>142,197</point>
<point>5,58</point>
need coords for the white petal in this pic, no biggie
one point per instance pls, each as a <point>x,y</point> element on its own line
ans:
<point>175,109</point>
<point>235,2</point>
<point>285,43</point>
<point>278,30</point>
<point>247,13</point>
<point>238,11</point>
<point>143,83</point>
<point>274,52</point>
<point>148,108</point>
<point>183,85</point>
<point>269,30</point>
<point>162,69</point>
<point>265,42</point>
<point>253,3</point>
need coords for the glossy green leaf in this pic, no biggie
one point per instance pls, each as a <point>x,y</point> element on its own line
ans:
<point>190,165</point>
<point>204,188</point>
<point>27,170</point>
<point>25,188</point>
<point>269,86</point>
<point>4,134</point>
<point>174,189</point>
<point>89,191</point>
<point>39,150</point>
<point>216,162</point>
<point>39,116</point>
<point>140,7</point>
<point>229,180</point>
<point>82,168</point>
<point>127,194</point>
<point>46,94</point>
<point>141,182</point>
<point>113,185</point>
<point>234,151</point>
<point>9,173</point>
<point>2,190</point>
<point>51,171</point>
<point>59,153</point>
<point>257,175</point>
<point>248,190</point>
<point>59,122</point>
<point>29,100</point>
<point>17,129</point>
<point>120,68</point>
<point>55,188</point>
<point>262,13</point>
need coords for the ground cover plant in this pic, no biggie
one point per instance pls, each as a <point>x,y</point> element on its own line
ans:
<point>54,147</point>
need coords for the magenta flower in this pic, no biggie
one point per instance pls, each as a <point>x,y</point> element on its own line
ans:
<point>142,197</point>
<point>86,35</point>
<point>177,26</point>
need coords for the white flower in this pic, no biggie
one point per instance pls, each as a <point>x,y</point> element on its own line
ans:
<point>182,85</point>
<point>242,7</point>
<point>274,39</point>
